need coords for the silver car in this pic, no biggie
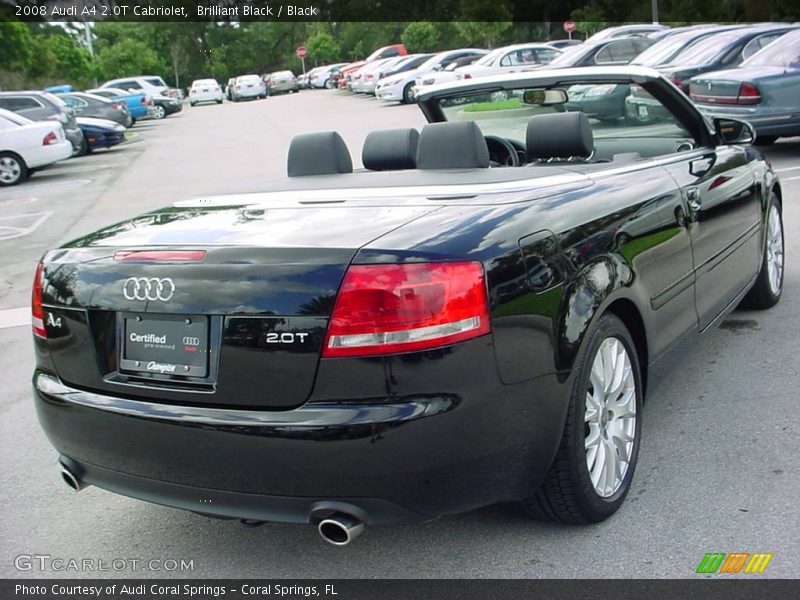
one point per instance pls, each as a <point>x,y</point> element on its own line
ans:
<point>248,86</point>
<point>98,107</point>
<point>282,81</point>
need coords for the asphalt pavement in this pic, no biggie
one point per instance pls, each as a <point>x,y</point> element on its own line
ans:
<point>720,457</point>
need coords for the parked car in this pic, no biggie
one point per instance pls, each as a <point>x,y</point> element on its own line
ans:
<point>366,78</point>
<point>629,30</point>
<point>343,75</point>
<point>449,73</point>
<point>400,87</point>
<point>604,52</point>
<point>89,105</point>
<point>282,82</point>
<point>501,323</point>
<point>721,51</point>
<point>248,86</point>
<point>43,106</point>
<point>509,59</point>
<point>138,104</point>
<point>666,49</point>
<point>26,146</point>
<point>100,133</point>
<point>166,100</point>
<point>324,77</point>
<point>764,90</point>
<point>205,90</point>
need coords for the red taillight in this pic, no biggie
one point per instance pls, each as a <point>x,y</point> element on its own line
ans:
<point>117,106</point>
<point>50,138</point>
<point>748,94</point>
<point>37,309</point>
<point>386,309</point>
<point>160,255</point>
<point>467,76</point>
<point>677,83</point>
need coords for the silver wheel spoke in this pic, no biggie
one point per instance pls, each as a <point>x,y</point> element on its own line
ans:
<point>610,417</point>
<point>774,250</point>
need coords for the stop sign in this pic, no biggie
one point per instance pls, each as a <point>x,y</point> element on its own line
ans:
<point>569,26</point>
<point>300,52</point>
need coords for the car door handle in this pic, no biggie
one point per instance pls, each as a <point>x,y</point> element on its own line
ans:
<point>701,166</point>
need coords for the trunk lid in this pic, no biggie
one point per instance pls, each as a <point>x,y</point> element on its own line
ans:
<point>241,326</point>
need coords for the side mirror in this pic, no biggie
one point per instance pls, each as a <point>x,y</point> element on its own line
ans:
<point>734,131</point>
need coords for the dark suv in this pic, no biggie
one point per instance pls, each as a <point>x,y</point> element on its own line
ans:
<point>43,106</point>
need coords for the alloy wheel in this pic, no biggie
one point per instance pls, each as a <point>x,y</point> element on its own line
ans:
<point>610,417</point>
<point>775,249</point>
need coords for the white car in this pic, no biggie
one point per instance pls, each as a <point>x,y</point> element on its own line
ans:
<point>509,59</point>
<point>449,73</point>
<point>26,145</point>
<point>400,87</point>
<point>322,78</point>
<point>205,90</point>
<point>366,78</point>
<point>248,86</point>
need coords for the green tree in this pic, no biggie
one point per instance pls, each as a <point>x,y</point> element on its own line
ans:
<point>16,45</point>
<point>129,57</point>
<point>420,36</point>
<point>484,22</point>
<point>322,48</point>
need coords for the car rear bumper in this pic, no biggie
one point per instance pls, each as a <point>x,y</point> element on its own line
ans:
<point>45,155</point>
<point>411,458</point>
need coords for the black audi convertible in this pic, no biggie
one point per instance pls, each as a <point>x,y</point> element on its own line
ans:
<point>473,317</point>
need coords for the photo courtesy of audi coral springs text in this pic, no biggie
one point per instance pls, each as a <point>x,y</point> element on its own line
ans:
<point>469,319</point>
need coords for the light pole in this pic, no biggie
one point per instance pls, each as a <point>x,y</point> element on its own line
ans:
<point>654,7</point>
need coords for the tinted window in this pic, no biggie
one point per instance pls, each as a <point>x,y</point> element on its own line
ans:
<point>389,52</point>
<point>758,43</point>
<point>127,85</point>
<point>156,81</point>
<point>19,103</point>
<point>616,52</point>
<point>786,53</point>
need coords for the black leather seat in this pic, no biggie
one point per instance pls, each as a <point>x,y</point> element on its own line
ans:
<point>322,153</point>
<point>559,136</point>
<point>390,150</point>
<point>456,145</point>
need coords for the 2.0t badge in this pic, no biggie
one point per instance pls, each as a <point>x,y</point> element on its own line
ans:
<point>152,288</point>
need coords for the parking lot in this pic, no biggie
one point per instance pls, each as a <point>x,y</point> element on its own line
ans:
<point>720,457</point>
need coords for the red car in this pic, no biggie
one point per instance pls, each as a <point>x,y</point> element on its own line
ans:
<point>342,78</point>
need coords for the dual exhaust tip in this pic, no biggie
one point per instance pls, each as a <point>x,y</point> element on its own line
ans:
<point>338,529</point>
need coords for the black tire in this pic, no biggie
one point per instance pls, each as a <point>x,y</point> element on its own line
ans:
<point>328,85</point>
<point>765,140</point>
<point>192,104</point>
<point>159,112</point>
<point>219,101</point>
<point>84,149</point>
<point>407,99</point>
<point>13,169</point>
<point>568,495</point>
<point>764,294</point>
<point>133,121</point>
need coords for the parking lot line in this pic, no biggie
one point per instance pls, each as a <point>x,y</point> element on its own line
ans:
<point>786,169</point>
<point>15,317</point>
<point>790,178</point>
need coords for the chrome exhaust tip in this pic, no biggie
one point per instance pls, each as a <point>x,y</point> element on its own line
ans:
<point>340,529</point>
<point>75,484</point>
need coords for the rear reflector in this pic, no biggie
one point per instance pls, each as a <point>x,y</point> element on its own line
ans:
<point>160,255</point>
<point>37,309</point>
<point>386,309</point>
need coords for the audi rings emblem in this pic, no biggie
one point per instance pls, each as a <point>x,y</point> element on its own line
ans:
<point>191,341</point>
<point>152,288</point>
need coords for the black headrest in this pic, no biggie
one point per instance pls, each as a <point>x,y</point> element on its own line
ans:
<point>457,145</point>
<point>320,153</point>
<point>390,149</point>
<point>559,135</point>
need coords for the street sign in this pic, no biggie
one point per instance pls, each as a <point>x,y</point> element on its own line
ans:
<point>569,26</point>
<point>300,52</point>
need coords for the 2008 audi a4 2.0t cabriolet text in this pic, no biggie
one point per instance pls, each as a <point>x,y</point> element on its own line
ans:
<point>469,319</point>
